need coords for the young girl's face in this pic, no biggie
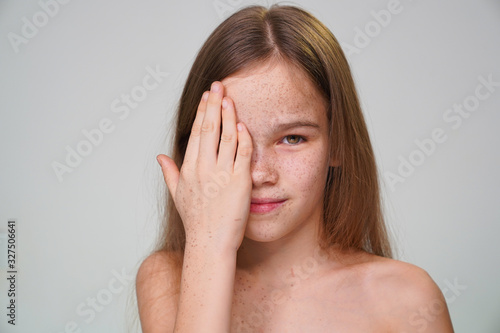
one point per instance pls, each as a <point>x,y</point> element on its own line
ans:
<point>286,117</point>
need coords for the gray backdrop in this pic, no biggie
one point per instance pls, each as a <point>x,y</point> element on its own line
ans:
<point>87,93</point>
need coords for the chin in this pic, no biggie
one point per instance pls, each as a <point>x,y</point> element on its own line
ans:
<point>262,231</point>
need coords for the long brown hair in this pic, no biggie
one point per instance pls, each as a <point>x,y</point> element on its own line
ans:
<point>352,209</point>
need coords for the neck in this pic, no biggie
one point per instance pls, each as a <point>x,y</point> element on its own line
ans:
<point>271,262</point>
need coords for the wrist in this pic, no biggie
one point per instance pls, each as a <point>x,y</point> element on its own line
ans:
<point>207,286</point>
<point>211,246</point>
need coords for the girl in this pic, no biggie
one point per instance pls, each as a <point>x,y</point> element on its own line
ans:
<point>274,220</point>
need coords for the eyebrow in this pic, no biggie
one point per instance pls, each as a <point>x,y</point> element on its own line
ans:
<point>299,123</point>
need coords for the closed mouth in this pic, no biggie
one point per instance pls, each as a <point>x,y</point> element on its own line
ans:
<point>262,206</point>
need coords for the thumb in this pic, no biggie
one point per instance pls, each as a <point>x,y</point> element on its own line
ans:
<point>170,173</point>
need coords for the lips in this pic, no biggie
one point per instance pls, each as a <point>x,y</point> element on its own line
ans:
<point>265,205</point>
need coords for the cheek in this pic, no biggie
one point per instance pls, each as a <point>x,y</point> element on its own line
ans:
<point>306,173</point>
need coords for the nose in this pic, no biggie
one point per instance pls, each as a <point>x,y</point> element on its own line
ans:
<point>263,168</point>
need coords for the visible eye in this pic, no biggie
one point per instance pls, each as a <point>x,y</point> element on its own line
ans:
<point>293,139</point>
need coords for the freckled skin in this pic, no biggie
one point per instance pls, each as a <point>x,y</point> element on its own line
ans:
<point>265,96</point>
<point>283,281</point>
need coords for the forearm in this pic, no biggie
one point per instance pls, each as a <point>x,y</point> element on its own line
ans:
<point>206,289</point>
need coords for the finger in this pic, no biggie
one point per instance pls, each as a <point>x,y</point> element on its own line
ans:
<point>244,151</point>
<point>210,129</point>
<point>229,136</point>
<point>170,173</point>
<point>193,145</point>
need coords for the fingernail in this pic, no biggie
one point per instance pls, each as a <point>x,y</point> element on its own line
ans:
<point>158,160</point>
<point>215,87</point>
<point>205,96</point>
<point>240,127</point>
<point>224,103</point>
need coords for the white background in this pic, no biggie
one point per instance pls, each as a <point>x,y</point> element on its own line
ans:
<point>76,235</point>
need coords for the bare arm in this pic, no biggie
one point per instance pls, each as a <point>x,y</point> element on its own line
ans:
<point>212,193</point>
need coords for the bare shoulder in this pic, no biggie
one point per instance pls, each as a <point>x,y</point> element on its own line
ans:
<point>406,297</point>
<point>157,285</point>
